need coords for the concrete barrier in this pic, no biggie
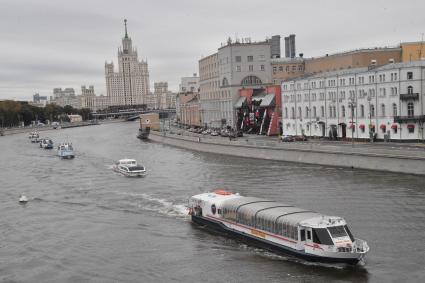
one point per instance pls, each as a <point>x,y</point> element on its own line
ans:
<point>340,157</point>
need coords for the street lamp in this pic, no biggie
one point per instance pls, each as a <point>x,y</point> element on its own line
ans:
<point>352,105</point>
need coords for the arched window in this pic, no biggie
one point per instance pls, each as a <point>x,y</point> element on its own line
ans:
<point>322,111</point>
<point>410,109</point>
<point>225,82</point>
<point>383,110</point>
<point>330,111</point>
<point>251,80</point>
<point>314,112</point>
<point>372,110</point>
<point>410,89</point>
<point>394,109</point>
<point>300,113</point>
<point>292,113</point>
<point>306,111</point>
<point>343,111</point>
<point>362,111</point>
<point>286,112</point>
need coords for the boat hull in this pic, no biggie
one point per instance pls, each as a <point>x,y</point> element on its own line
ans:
<point>220,228</point>
<point>143,134</point>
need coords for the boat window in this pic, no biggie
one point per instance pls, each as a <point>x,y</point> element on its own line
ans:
<point>321,236</point>
<point>309,234</point>
<point>302,235</point>
<point>337,231</point>
<point>349,233</point>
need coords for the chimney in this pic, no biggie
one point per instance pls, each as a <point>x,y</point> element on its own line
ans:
<point>275,46</point>
<point>287,51</point>
<point>292,45</point>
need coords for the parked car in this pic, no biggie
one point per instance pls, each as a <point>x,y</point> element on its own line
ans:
<point>214,133</point>
<point>224,133</point>
<point>288,138</point>
<point>300,138</point>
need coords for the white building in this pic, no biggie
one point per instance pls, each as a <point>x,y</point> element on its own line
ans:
<point>236,65</point>
<point>66,97</point>
<point>91,101</point>
<point>130,85</point>
<point>387,100</point>
<point>189,84</point>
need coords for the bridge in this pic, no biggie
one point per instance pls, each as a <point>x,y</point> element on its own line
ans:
<point>133,114</point>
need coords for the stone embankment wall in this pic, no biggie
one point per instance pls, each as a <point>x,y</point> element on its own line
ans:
<point>382,159</point>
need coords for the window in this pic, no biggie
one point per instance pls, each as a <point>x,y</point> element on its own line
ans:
<point>314,111</point>
<point>274,69</point>
<point>302,234</point>
<point>306,112</point>
<point>322,111</point>
<point>286,112</point>
<point>383,110</point>
<point>294,68</point>
<point>343,111</point>
<point>372,110</point>
<point>321,236</point>
<point>410,110</point>
<point>251,67</point>
<point>300,113</point>
<point>337,231</point>
<point>308,235</point>
<point>292,113</point>
<point>280,68</point>
<point>394,109</point>
<point>250,58</point>
<point>410,89</point>
<point>262,68</point>
<point>362,111</point>
<point>238,68</point>
<point>410,75</point>
<point>225,82</point>
<point>238,59</point>
<point>287,69</point>
<point>251,80</point>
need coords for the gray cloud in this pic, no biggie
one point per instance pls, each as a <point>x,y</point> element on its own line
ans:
<point>46,44</point>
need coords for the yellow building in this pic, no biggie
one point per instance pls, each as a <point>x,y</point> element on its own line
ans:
<point>412,51</point>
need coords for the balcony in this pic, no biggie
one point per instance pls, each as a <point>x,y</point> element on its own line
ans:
<point>409,96</point>
<point>407,119</point>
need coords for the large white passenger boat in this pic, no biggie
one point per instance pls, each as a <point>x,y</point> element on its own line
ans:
<point>278,227</point>
<point>129,167</point>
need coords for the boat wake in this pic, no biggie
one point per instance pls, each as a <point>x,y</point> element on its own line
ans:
<point>159,205</point>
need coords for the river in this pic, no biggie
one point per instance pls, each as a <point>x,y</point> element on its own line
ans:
<point>86,223</point>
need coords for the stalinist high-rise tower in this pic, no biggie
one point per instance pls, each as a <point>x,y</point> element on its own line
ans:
<point>130,85</point>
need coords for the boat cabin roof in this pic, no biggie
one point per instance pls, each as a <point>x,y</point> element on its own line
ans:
<point>127,161</point>
<point>271,210</point>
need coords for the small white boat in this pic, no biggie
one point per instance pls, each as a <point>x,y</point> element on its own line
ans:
<point>65,150</point>
<point>34,137</point>
<point>129,167</point>
<point>46,143</point>
<point>23,199</point>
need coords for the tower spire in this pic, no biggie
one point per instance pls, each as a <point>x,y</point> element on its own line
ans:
<point>125,24</point>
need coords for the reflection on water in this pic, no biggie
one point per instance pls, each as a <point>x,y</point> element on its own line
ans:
<point>86,223</point>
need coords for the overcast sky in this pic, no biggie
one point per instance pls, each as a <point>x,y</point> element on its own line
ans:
<point>47,44</point>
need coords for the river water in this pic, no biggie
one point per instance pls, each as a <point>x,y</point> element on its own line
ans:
<point>86,223</point>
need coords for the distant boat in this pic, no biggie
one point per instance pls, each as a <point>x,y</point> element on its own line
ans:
<point>23,199</point>
<point>34,137</point>
<point>148,122</point>
<point>46,143</point>
<point>65,150</point>
<point>129,168</point>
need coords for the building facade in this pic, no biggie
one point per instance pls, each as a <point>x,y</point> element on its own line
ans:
<point>66,97</point>
<point>236,65</point>
<point>286,68</point>
<point>90,100</point>
<point>385,102</point>
<point>130,85</point>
